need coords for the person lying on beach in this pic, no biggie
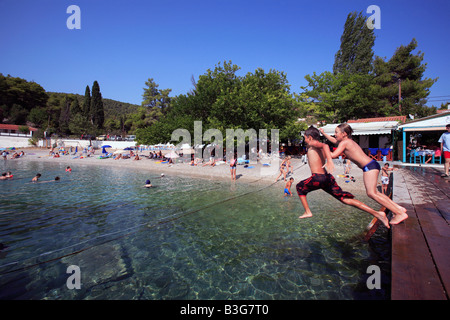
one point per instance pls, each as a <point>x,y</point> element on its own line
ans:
<point>287,187</point>
<point>321,179</point>
<point>371,168</point>
<point>211,162</point>
<point>36,178</point>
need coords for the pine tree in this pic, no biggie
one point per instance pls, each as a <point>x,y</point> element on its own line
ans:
<point>404,70</point>
<point>97,112</point>
<point>355,54</point>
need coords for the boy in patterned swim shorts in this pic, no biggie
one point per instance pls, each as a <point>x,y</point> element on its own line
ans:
<point>317,153</point>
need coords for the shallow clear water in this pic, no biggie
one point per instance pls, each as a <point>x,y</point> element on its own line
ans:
<point>184,239</point>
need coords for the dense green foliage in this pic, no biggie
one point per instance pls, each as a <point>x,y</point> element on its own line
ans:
<point>223,100</point>
<point>363,87</point>
<point>18,97</point>
<point>27,103</point>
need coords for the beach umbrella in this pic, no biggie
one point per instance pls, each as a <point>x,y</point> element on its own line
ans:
<point>185,146</point>
<point>172,155</point>
<point>128,148</point>
<point>104,147</point>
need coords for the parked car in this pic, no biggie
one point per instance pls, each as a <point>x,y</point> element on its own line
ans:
<point>130,138</point>
<point>102,137</point>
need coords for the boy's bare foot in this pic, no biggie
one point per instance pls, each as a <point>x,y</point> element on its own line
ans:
<point>382,217</point>
<point>399,218</point>
<point>305,215</point>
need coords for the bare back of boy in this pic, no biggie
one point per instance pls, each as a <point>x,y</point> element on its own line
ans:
<point>352,151</point>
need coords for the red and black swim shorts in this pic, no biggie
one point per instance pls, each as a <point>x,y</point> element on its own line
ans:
<point>325,182</point>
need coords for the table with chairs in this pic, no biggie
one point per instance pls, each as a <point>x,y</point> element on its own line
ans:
<point>420,155</point>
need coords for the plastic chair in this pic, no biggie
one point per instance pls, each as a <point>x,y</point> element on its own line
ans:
<point>373,153</point>
<point>385,154</point>
<point>437,155</point>
<point>413,155</point>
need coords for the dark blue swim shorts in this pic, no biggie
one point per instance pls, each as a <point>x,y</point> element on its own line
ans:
<point>372,165</point>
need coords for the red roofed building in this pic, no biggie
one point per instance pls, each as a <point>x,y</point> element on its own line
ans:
<point>14,130</point>
<point>395,118</point>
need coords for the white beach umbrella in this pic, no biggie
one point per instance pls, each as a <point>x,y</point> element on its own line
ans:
<point>172,155</point>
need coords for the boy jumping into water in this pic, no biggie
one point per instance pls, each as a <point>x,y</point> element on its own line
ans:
<point>321,179</point>
<point>370,167</point>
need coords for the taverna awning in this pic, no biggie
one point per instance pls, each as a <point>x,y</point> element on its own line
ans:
<point>365,128</point>
<point>431,123</point>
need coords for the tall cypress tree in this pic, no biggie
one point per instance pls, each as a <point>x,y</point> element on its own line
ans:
<point>86,110</point>
<point>97,112</point>
<point>355,54</point>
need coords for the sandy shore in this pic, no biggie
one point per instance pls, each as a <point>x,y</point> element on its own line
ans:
<point>255,173</point>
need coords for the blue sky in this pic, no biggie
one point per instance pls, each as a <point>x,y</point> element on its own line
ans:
<point>123,43</point>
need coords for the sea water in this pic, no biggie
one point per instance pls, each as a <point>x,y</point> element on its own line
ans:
<point>184,238</point>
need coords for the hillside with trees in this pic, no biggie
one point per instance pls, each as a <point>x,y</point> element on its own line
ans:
<point>25,102</point>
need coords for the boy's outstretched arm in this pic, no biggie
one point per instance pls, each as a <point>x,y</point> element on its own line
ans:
<point>330,138</point>
<point>339,150</point>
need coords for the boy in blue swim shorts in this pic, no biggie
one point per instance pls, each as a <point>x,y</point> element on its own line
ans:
<point>318,152</point>
<point>371,169</point>
<point>372,165</point>
<point>287,187</point>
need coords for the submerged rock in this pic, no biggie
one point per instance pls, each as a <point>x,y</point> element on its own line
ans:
<point>100,265</point>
